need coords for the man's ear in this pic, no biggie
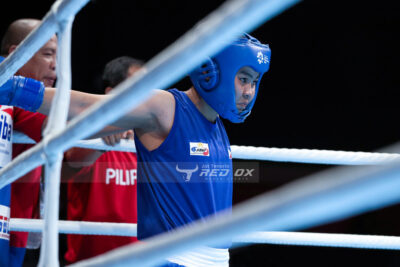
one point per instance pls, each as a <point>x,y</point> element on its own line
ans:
<point>108,89</point>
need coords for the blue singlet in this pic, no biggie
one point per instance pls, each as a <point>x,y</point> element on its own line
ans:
<point>188,177</point>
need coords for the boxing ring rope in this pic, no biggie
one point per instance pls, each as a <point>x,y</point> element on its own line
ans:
<point>74,227</point>
<point>322,240</point>
<point>57,121</point>
<point>272,154</point>
<point>206,39</point>
<point>277,238</point>
<point>289,207</point>
<point>317,199</point>
<point>313,156</point>
<point>58,20</point>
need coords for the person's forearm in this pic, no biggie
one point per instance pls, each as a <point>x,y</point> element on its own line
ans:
<point>78,103</point>
<point>47,99</point>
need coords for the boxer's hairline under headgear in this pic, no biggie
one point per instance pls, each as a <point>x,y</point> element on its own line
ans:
<point>215,78</point>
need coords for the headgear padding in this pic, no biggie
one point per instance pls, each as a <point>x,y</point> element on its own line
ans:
<point>215,78</point>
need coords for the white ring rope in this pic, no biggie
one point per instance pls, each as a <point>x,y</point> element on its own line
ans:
<point>313,156</point>
<point>75,227</point>
<point>325,197</point>
<point>57,121</point>
<point>277,238</point>
<point>322,239</point>
<point>312,201</point>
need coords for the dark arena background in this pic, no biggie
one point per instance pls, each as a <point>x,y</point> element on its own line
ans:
<point>333,84</point>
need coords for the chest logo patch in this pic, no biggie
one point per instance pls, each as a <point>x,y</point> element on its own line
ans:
<point>199,149</point>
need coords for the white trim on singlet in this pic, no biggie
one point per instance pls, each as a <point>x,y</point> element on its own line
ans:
<point>203,257</point>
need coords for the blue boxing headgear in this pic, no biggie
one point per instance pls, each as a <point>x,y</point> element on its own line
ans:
<point>215,79</point>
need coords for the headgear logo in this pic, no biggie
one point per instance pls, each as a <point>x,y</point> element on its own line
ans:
<point>262,58</point>
<point>188,172</point>
<point>199,149</point>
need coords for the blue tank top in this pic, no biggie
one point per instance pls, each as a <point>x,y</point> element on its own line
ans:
<point>188,177</point>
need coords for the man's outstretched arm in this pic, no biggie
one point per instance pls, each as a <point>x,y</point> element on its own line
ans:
<point>31,95</point>
<point>154,116</point>
<point>78,103</point>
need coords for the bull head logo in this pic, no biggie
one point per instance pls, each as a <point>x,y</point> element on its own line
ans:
<point>188,172</point>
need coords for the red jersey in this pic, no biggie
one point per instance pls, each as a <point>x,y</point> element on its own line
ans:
<point>102,192</point>
<point>25,191</point>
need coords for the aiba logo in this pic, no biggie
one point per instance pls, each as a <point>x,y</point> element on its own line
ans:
<point>6,124</point>
<point>199,149</point>
<point>262,58</point>
<point>4,222</point>
<point>6,113</point>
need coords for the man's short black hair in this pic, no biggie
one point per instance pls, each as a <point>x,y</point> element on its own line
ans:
<point>116,70</point>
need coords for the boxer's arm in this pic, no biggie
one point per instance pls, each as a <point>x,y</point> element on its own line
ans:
<point>155,114</point>
<point>153,118</point>
<point>78,103</point>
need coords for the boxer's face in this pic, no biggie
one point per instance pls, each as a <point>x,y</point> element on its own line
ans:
<point>245,87</point>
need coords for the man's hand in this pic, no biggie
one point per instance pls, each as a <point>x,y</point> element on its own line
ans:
<point>114,139</point>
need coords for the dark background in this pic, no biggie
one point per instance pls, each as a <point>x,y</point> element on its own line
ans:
<point>332,85</point>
